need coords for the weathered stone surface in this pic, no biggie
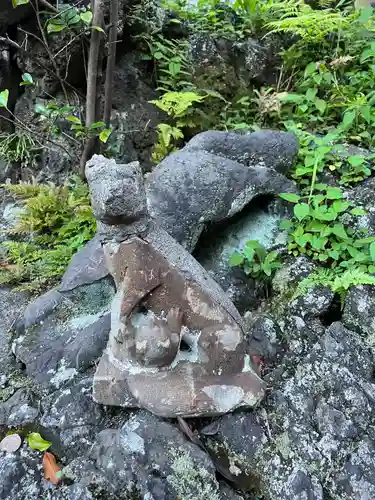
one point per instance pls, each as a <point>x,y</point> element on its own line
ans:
<point>72,419</point>
<point>269,148</point>
<point>86,267</point>
<point>134,115</point>
<point>313,304</point>
<point>306,429</point>
<point>152,459</point>
<point>187,191</point>
<point>20,475</point>
<point>359,312</point>
<point>264,335</point>
<point>229,66</point>
<point>163,297</point>
<point>62,335</point>
<point>11,306</point>
<point>18,410</point>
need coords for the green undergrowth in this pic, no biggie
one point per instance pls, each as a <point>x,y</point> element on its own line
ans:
<point>55,222</point>
<point>324,94</point>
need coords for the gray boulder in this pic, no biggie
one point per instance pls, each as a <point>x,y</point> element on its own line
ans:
<point>62,335</point>
<point>153,459</point>
<point>193,188</point>
<point>359,312</point>
<point>11,306</point>
<point>269,148</point>
<point>135,117</point>
<point>86,267</point>
<point>18,410</point>
<point>300,444</point>
<point>227,65</point>
<point>71,419</point>
<point>21,475</point>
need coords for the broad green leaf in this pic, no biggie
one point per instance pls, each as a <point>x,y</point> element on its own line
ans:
<point>349,118</point>
<point>321,105</point>
<point>340,206</point>
<point>311,94</point>
<point>54,27</point>
<point>310,69</point>
<point>74,119</point>
<point>372,251</point>
<point>285,224</point>
<point>291,197</point>
<point>364,241</point>
<point>253,244</point>
<point>339,230</point>
<point>358,211</point>
<point>86,17</point>
<point>272,256</point>
<point>249,253</point>
<point>301,210</point>
<point>334,193</point>
<point>105,134</point>
<point>97,125</point>
<point>297,98</point>
<point>16,3</point>
<point>236,259</point>
<point>36,442</point>
<point>318,243</point>
<point>356,160</point>
<point>27,79</point>
<point>334,254</point>
<point>4,95</point>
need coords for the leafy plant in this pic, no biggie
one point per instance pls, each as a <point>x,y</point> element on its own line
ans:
<point>69,18</point>
<point>171,64</point>
<point>255,260</point>
<point>317,229</point>
<point>18,147</point>
<point>180,107</point>
<point>55,223</point>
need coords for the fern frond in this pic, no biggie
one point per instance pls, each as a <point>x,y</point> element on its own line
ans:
<point>338,282</point>
<point>321,277</point>
<point>312,26</point>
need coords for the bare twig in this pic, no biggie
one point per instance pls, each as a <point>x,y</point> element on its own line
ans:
<point>111,61</point>
<point>48,50</point>
<point>92,77</point>
<point>14,44</point>
<point>48,6</point>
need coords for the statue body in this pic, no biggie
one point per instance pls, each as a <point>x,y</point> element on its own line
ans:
<point>176,344</point>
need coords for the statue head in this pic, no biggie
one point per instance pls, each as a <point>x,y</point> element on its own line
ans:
<point>118,196</point>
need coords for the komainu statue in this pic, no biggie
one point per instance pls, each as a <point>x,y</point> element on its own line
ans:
<point>176,345</point>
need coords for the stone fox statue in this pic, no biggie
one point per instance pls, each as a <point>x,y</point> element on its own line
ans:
<point>176,345</point>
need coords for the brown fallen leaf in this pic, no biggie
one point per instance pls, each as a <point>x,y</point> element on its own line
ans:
<point>52,472</point>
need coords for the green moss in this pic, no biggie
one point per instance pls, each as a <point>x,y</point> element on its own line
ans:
<point>189,481</point>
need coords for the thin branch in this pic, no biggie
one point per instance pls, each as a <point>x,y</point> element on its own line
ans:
<point>48,6</point>
<point>19,47</point>
<point>92,81</point>
<point>111,61</point>
<point>46,46</point>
